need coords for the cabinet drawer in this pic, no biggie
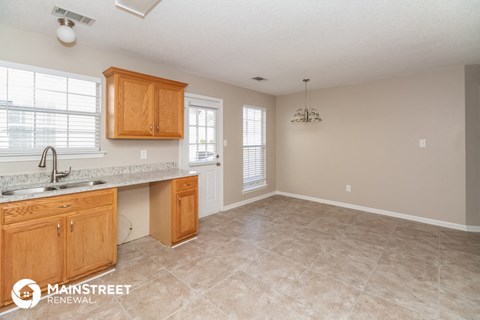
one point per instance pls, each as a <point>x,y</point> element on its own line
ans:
<point>44,207</point>
<point>188,183</point>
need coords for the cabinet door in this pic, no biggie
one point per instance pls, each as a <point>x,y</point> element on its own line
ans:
<point>169,112</point>
<point>136,101</point>
<point>34,250</point>
<point>185,216</point>
<point>91,241</point>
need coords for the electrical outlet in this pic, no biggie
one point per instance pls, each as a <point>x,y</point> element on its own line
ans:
<point>348,188</point>
<point>143,154</point>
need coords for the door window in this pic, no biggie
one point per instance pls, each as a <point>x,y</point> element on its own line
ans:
<point>202,135</point>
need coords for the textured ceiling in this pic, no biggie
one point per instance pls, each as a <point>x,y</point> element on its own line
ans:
<point>333,42</point>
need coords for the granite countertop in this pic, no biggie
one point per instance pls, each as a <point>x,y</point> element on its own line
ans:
<point>112,181</point>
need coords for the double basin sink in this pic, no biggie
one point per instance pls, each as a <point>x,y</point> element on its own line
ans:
<point>52,188</point>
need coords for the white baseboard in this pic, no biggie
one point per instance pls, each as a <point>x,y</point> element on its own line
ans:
<point>434,222</point>
<point>440,223</point>
<point>473,228</point>
<point>244,202</point>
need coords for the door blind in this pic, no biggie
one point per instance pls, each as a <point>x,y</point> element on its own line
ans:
<point>40,107</point>
<point>253,147</point>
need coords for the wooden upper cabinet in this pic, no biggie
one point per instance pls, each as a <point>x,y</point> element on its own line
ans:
<point>140,106</point>
<point>136,107</point>
<point>170,120</point>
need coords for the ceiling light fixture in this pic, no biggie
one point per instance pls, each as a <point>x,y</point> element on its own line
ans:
<point>306,114</point>
<point>65,32</point>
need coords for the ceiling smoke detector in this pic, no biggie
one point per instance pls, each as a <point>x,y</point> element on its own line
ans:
<point>73,16</point>
<point>259,79</point>
<point>138,7</point>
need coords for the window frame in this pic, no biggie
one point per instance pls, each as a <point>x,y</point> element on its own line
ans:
<point>246,187</point>
<point>13,156</point>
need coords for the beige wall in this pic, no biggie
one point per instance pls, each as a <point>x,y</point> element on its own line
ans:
<point>472,120</point>
<point>369,136</point>
<point>369,139</point>
<point>45,51</point>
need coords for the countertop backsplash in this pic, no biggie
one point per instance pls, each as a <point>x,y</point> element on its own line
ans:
<point>81,174</point>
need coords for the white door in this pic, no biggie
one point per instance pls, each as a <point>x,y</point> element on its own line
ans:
<point>202,149</point>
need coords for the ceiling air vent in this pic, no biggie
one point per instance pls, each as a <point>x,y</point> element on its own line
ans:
<point>259,79</point>
<point>77,17</point>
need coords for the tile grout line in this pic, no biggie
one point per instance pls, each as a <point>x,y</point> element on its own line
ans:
<point>279,291</point>
<point>203,292</point>
<point>372,272</point>
<point>123,308</point>
<point>309,267</point>
<point>393,302</point>
<point>187,304</point>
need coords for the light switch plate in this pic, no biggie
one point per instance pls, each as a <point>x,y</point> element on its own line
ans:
<point>348,188</point>
<point>143,154</point>
<point>422,143</point>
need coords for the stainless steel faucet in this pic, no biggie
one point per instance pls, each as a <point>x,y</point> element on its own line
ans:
<point>55,173</point>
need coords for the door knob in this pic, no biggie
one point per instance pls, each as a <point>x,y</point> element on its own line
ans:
<point>218,164</point>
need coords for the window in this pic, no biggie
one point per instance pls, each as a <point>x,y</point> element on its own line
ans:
<point>253,148</point>
<point>202,134</point>
<point>41,107</point>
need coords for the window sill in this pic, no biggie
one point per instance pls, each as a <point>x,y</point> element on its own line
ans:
<point>263,186</point>
<point>36,157</point>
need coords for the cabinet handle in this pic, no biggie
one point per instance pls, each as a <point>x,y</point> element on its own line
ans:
<point>64,206</point>
<point>158,128</point>
<point>58,229</point>
<point>179,201</point>
<point>151,127</point>
<point>71,226</point>
<point>187,185</point>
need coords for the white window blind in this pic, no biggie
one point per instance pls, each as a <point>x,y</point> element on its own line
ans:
<point>41,107</point>
<point>202,134</point>
<point>253,148</point>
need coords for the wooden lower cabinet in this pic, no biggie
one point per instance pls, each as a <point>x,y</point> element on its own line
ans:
<point>90,235</point>
<point>59,248</point>
<point>33,250</point>
<point>185,215</point>
<point>174,210</point>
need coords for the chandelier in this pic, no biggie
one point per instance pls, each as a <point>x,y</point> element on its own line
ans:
<point>306,114</point>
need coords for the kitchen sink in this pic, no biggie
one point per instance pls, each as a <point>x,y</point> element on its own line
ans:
<point>27,191</point>
<point>82,184</point>
<point>79,184</point>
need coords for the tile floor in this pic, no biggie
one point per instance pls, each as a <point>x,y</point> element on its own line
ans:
<point>283,258</point>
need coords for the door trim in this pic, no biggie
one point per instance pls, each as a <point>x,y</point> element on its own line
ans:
<point>181,155</point>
